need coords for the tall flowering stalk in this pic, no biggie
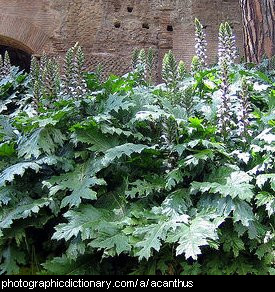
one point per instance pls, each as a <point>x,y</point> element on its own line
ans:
<point>201,45</point>
<point>35,75</point>
<point>170,71</point>
<point>50,80</point>
<point>142,64</point>
<point>227,54</point>
<point>182,72</point>
<point>68,72</point>
<point>5,65</point>
<point>195,65</point>
<point>80,84</point>
<point>244,110</point>
<point>74,84</point>
<point>227,45</point>
<point>45,80</point>
<point>150,62</point>
<point>135,56</point>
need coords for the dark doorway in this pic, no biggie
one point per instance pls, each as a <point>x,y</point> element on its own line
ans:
<point>18,57</point>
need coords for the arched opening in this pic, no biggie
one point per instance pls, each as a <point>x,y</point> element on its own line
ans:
<point>19,53</point>
<point>21,39</point>
<point>18,57</point>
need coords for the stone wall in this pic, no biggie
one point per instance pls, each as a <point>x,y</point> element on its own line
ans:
<point>108,30</point>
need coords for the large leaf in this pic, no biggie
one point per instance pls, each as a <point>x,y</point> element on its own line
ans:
<point>243,212</point>
<point>25,208</point>
<point>9,174</point>
<point>43,140</point>
<point>65,266</point>
<point>191,237</point>
<point>268,200</point>
<point>144,188</point>
<point>236,186</point>
<point>84,221</point>
<point>170,215</point>
<point>125,149</point>
<point>100,142</point>
<point>263,178</point>
<point>110,238</point>
<point>79,182</point>
<point>116,102</point>
<point>154,234</point>
<point>12,259</point>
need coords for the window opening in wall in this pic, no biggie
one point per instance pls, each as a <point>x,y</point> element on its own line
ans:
<point>170,28</point>
<point>130,9</point>
<point>145,25</point>
<point>18,57</point>
<point>117,24</point>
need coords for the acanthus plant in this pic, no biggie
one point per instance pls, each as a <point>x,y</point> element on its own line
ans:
<point>124,177</point>
<point>143,64</point>
<point>5,65</point>
<point>227,55</point>
<point>244,112</point>
<point>201,46</point>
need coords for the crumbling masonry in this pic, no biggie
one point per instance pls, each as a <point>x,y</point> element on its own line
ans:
<point>108,30</point>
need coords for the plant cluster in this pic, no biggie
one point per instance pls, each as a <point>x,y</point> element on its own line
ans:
<point>123,177</point>
<point>143,63</point>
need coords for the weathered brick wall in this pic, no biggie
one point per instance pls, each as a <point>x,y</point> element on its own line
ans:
<point>108,30</point>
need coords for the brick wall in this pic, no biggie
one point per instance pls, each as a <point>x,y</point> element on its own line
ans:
<point>109,30</point>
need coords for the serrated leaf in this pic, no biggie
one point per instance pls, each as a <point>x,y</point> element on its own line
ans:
<point>125,149</point>
<point>236,185</point>
<point>243,212</point>
<point>264,249</point>
<point>176,204</point>
<point>222,206</point>
<point>193,236</point>
<point>268,200</point>
<point>25,208</point>
<point>173,178</point>
<point>100,142</point>
<point>12,259</point>
<point>45,140</point>
<point>117,102</point>
<point>111,239</point>
<point>6,194</point>
<point>263,178</point>
<point>76,248</point>
<point>144,188</point>
<point>196,159</point>
<point>231,241</point>
<point>154,234</point>
<point>83,221</point>
<point>120,132</point>
<point>79,182</point>
<point>65,266</point>
<point>9,174</point>
<point>240,266</point>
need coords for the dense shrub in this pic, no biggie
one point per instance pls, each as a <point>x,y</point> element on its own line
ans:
<point>121,177</point>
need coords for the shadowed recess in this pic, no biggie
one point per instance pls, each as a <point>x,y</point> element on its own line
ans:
<point>18,57</point>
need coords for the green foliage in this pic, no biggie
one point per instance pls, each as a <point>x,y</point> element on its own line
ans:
<point>170,70</point>
<point>143,64</point>
<point>121,176</point>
